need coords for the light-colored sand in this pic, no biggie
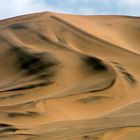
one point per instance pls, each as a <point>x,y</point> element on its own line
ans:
<point>65,77</point>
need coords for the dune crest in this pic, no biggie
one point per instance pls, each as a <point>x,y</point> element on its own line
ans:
<point>66,77</point>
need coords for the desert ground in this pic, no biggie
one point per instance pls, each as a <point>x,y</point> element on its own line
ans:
<point>69,77</point>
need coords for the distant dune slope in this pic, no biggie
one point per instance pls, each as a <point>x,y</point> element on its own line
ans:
<point>69,77</point>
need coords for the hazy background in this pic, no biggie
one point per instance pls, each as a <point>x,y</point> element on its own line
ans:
<point>10,8</point>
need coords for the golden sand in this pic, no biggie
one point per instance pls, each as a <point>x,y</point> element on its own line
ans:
<point>70,77</point>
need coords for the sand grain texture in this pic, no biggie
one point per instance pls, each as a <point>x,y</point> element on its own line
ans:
<point>66,77</point>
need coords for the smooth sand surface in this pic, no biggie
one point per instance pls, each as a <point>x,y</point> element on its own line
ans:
<point>70,77</point>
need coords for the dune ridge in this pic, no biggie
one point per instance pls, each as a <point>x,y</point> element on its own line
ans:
<point>69,77</point>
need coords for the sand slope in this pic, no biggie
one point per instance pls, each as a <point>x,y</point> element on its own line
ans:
<point>66,77</point>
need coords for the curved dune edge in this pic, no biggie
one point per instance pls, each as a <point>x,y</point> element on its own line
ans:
<point>66,77</point>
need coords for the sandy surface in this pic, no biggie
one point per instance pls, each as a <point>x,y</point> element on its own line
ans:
<point>66,77</point>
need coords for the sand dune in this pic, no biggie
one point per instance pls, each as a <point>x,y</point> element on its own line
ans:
<point>66,77</point>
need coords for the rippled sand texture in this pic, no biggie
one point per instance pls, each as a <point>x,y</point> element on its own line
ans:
<point>65,77</point>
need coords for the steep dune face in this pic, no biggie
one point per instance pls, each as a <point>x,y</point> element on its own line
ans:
<point>66,77</point>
